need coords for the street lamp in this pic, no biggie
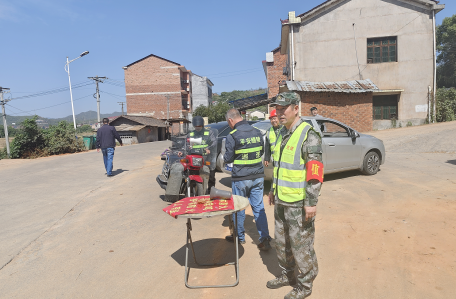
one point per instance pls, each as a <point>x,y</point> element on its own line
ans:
<point>67,69</point>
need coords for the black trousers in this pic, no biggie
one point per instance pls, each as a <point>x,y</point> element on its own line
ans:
<point>211,182</point>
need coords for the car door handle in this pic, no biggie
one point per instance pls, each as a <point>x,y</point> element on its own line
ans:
<point>331,144</point>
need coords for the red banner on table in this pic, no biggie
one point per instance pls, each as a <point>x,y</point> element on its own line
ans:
<point>197,205</point>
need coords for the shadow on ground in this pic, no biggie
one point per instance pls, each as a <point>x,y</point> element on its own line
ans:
<point>451,162</point>
<point>342,175</point>
<point>208,251</point>
<point>269,258</point>
<point>118,171</point>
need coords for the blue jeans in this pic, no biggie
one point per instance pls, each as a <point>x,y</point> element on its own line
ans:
<point>253,190</point>
<point>108,157</point>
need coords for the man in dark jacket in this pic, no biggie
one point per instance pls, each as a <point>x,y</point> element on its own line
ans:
<point>106,141</point>
<point>244,147</point>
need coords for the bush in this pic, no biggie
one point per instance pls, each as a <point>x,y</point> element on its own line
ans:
<point>29,141</point>
<point>446,104</point>
<point>60,139</point>
<point>84,129</point>
<point>33,142</point>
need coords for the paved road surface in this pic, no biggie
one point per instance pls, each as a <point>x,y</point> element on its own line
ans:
<point>67,231</point>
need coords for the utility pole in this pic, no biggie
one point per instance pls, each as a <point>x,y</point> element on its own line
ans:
<point>98,79</point>
<point>122,103</point>
<point>3,102</point>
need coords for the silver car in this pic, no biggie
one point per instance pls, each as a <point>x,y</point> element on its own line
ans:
<point>343,148</point>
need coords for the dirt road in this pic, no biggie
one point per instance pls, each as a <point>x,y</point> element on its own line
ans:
<point>392,235</point>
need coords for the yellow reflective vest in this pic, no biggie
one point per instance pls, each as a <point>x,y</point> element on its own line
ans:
<point>204,141</point>
<point>289,180</point>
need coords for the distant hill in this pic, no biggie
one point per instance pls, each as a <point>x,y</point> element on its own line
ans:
<point>88,117</point>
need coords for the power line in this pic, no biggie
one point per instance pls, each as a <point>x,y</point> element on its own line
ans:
<point>49,92</point>
<point>233,72</point>
<point>112,94</point>
<point>236,74</point>
<point>52,105</point>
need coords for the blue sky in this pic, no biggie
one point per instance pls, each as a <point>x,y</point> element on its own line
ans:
<point>224,40</point>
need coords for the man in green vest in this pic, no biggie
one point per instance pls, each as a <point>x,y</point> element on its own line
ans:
<point>209,146</point>
<point>271,137</point>
<point>298,175</point>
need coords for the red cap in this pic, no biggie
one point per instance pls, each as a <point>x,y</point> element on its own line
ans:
<point>273,113</point>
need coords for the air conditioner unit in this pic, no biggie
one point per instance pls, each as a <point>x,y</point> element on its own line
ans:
<point>188,89</point>
<point>187,81</point>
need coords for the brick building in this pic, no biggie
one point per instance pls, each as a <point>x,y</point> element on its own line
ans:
<point>274,67</point>
<point>390,42</point>
<point>161,88</point>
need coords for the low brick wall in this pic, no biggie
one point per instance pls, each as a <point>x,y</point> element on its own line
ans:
<point>352,109</point>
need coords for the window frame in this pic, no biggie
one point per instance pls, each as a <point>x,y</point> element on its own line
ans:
<point>381,46</point>
<point>385,107</point>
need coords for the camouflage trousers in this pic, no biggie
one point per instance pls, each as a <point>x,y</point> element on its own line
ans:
<point>294,243</point>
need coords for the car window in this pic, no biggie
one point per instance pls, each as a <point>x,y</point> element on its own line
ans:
<point>224,131</point>
<point>331,129</point>
<point>262,125</point>
<point>219,126</point>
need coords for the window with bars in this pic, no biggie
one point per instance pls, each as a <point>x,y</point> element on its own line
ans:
<point>381,50</point>
<point>385,107</point>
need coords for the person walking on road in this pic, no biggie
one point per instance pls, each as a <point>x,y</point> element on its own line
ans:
<point>298,175</point>
<point>106,141</point>
<point>271,137</point>
<point>244,148</point>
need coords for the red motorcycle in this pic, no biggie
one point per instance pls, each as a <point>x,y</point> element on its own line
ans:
<point>183,151</point>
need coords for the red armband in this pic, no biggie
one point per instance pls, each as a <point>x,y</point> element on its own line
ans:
<point>314,171</point>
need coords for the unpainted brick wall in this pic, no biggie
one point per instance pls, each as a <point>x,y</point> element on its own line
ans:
<point>352,109</point>
<point>155,75</point>
<point>275,73</point>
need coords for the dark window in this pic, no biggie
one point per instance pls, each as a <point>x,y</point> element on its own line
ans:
<point>382,49</point>
<point>385,107</point>
<point>331,129</point>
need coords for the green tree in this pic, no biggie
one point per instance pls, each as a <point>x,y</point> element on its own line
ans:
<point>84,128</point>
<point>11,131</point>
<point>446,104</point>
<point>60,139</point>
<point>446,48</point>
<point>29,141</point>
<point>238,94</point>
<point>214,113</point>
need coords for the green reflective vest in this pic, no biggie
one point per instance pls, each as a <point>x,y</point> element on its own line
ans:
<point>250,151</point>
<point>289,180</point>
<point>204,139</point>
<point>272,138</point>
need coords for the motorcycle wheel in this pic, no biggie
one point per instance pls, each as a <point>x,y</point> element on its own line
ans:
<point>196,189</point>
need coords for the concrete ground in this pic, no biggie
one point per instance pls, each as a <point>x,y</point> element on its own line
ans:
<point>67,231</point>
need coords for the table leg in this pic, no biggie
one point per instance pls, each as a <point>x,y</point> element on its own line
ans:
<point>187,268</point>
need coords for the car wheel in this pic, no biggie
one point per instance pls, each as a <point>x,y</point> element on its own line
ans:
<point>371,163</point>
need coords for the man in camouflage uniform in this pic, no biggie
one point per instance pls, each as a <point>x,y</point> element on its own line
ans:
<point>295,200</point>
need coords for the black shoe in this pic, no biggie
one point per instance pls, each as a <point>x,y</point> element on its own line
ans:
<point>264,246</point>
<point>231,239</point>
<point>171,198</point>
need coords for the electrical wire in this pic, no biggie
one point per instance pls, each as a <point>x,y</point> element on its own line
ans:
<point>53,91</point>
<point>236,74</point>
<point>22,111</point>
<point>233,72</point>
<point>53,105</point>
<point>115,95</point>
